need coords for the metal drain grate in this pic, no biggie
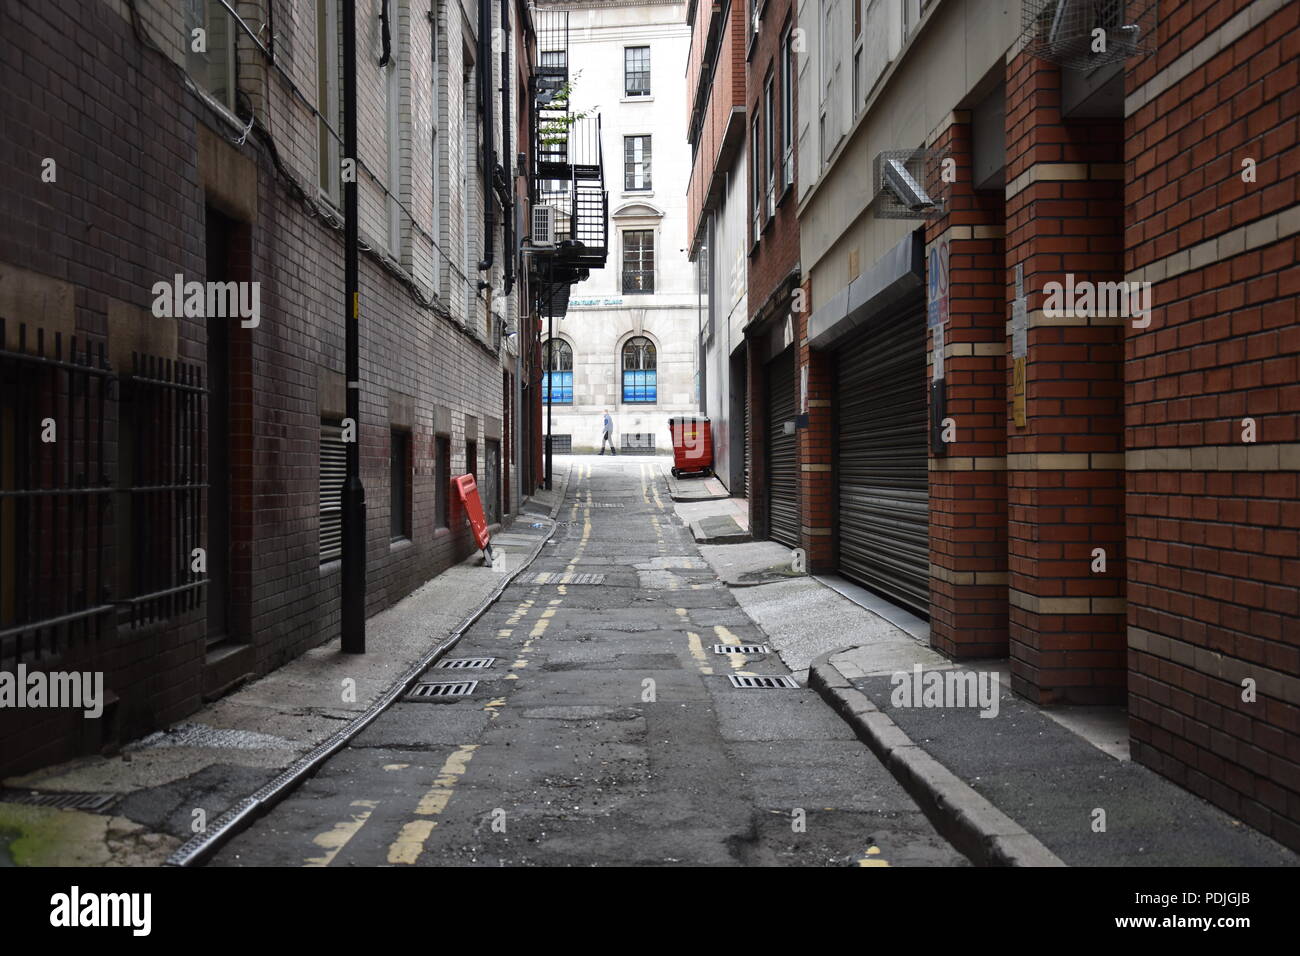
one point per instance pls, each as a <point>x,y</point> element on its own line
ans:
<point>438,690</point>
<point>560,577</point>
<point>466,663</point>
<point>94,802</point>
<point>762,683</point>
<point>741,649</point>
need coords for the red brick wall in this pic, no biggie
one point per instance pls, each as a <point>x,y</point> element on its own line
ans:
<point>1213,521</point>
<point>1065,479</point>
<point>968,494</point>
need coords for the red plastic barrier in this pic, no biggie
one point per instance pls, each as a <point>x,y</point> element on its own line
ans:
<point>467,488</point>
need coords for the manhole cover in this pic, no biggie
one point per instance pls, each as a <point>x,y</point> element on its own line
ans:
<point>762,683</point>
<point>740,649</point>
<point>440,690</point>
<point>465,663</point>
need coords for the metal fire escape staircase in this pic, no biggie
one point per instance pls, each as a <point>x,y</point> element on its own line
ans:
<point>570,205</point>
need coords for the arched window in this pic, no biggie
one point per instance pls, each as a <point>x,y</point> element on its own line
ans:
<point>557,362</point>
<point>639,382</point>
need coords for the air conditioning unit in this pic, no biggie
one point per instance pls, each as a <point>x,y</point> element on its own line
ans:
<point>1086,34</point>
<point>543,231</point>
<point>907,184</point>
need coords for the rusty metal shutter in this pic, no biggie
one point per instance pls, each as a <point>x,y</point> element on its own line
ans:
<point>782,455</point>
<point>882,458</point>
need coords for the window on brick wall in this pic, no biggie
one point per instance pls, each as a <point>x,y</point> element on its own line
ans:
<point>333,472</point>
<point>328,82</point>
<point>399,484</point>
<point>788,67</point>
<point>210,33</point>
<point>756,176</point>
<point>769,154</point>
<point>471,459</point>
<point>442,479</point>
<point>636,163</point>
<point>636,71</point>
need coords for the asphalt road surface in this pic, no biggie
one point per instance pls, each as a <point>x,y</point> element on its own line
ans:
<point>606,732</point>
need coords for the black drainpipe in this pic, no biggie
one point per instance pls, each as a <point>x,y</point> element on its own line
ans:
<point>489,137</point>
<point>508,200</point>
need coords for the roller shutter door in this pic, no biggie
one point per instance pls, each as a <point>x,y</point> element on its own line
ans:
<point>783,465</point>
<point>882,466</point>
<point>749,445</point>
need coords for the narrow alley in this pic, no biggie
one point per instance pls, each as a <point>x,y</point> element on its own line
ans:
<point>606,729</point>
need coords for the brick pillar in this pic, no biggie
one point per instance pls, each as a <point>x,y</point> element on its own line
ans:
<point>816,444</point>
<point>968,493</point>
<point>1065,477</point>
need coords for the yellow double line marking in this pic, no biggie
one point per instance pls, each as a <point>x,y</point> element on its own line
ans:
<point>410,841</point>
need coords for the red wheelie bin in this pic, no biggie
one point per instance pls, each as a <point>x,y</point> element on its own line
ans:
<point>692,445</point>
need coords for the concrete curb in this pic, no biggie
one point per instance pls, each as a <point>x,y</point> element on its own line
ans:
<point>973,825</point>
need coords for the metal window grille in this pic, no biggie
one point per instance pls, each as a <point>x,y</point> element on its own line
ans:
<point>162,457</point>
<point>54,494</point>
<point>638,261</point>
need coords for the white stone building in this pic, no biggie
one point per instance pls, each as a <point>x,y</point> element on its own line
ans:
<point>628,341</point>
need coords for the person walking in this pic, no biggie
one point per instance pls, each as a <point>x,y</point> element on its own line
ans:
<point>609,432</point>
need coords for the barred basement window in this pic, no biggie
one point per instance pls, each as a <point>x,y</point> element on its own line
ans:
<point>333,472</point>
<point>399,478</point>
<point>54,494</point>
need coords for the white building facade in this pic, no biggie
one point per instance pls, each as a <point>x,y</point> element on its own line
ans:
<point>627,344</point>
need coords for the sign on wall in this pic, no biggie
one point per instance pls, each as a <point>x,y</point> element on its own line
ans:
<point>937,301</point>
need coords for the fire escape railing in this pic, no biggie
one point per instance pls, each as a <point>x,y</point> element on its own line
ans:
<point>570,164</point>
